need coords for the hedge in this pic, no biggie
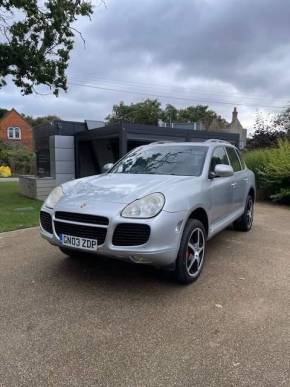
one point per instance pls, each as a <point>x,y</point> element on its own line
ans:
<point>272,170</point>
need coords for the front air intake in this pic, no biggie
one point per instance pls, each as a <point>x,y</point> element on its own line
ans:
<point>46,221</point>
<point>131,234</point>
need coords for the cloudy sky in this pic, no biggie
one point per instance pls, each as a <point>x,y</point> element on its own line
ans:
<point>222,53</point>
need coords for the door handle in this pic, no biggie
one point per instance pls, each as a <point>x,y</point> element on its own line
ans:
<point>246,179</point>
<point>234,185</point>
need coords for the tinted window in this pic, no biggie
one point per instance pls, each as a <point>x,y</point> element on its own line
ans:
<point>164,160</point>
<point>219,156</point>
<point>235,162</point>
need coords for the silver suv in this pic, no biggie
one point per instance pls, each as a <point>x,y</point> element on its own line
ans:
<point>158,205</point>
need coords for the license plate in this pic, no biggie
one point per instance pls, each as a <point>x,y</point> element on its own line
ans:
<point>79,243</point>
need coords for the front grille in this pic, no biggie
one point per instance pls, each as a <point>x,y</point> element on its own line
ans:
<point>82,218</point>
<point>131,234</point>
<point>46,221</point>
<point>81,231</point>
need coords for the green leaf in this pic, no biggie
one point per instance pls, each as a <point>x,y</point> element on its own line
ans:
<point>38,46</point>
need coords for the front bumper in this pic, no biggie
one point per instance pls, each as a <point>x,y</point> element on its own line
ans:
<point>160,250</point>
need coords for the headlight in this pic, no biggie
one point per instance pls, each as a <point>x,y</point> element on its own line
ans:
<point>54,197</point>
<point>147,207</point>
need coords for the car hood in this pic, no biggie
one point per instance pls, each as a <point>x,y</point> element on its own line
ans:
<point>120,187</point>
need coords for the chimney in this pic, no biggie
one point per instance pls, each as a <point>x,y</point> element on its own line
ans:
<point>235,114</point>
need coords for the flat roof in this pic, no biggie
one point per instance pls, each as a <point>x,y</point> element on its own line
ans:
<point>154,133</point>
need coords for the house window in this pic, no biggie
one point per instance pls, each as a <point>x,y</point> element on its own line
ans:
<point>14,133</point>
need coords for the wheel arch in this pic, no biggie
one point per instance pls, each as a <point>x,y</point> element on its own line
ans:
<point>200,214</point>
<point>252,193</point>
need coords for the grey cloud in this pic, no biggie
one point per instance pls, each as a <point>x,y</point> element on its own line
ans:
<point>212,39</point>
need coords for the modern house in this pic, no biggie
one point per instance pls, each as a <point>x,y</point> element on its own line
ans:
<point>15,129</point>
<point>66,150</point>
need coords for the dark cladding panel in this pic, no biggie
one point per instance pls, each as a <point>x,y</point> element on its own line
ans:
<point>70,128</point>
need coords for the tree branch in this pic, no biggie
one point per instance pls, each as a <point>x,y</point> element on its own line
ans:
<point>80,34</point>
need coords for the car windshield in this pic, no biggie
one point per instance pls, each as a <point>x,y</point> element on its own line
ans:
<point>164,160</point>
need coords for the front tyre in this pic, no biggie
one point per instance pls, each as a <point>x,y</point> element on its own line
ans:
<point>245,222</point>
<point>190,257</point>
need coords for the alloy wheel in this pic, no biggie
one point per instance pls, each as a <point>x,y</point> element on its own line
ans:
<point>249,212</point>
<point>195,252</point>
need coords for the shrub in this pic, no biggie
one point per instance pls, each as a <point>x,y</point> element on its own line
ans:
<point>17,157</point>
<point>257,160</point>
<point>272,170</point>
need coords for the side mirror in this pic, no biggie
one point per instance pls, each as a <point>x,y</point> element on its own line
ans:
<point>106,168</point>
<point>223,170</point>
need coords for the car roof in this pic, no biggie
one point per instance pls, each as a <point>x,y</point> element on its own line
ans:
<point>208,143</point>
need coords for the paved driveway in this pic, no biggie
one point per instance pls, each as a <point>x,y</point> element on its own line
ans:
<point>105,323</point>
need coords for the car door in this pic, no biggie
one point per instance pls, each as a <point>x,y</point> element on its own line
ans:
<point>221,190</point>
<point>240,182</point>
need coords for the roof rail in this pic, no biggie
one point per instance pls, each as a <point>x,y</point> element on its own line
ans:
<point>159,142</point>
<point>217,140</point>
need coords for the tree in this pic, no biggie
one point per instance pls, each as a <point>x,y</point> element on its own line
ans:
<point>188,115</point>
<point>282,121</point>
<point>39,120</point>
<point>147,112</point>
<point>169,114</point>
<point>38,38</point>
<point>266,135</point>
<point>150,112</point>
<point>2,112</point>
<point>264,138</point>
<point>196,114</point>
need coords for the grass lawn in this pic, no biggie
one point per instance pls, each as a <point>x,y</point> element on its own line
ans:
<point>17,211</point>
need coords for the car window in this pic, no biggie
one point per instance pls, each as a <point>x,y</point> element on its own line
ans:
<point>241,159</point>
<point>234,160</point>
<point>164,160</point>
<point>219,156</point>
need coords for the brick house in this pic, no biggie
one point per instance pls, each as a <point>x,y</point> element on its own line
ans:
<point>14,128</point>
